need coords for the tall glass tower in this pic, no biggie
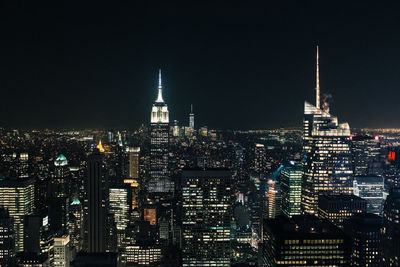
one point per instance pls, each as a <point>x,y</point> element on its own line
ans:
<point>327,164</point>
<point>159,142</point>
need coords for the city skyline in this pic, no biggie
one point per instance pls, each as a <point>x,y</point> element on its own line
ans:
<point>99,70</point>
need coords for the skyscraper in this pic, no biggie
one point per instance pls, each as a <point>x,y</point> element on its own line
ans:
<point>159,145</point>
<point>260,159</point>
<point>206,216</point>
<point>391,229</point>
<point>191,117</point>
<point>17,196</point>
<point>60,180</point>
<point>133,162</point>
<point>371,188</point>
<point>366,151</point>
<point>119,207</point>
<point>96,203</point>
<point>290,180</point>
<point>59,195</point>
<point>6,238</point>
<point>327,164</point>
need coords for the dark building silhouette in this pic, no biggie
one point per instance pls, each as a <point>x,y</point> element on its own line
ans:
<point>37,235</point>
<point>337,208</point>
<point>365,233</point>
<point>303,240</point>
<point>391,229</point>
<point>96,203</point>
<point>6,238</point>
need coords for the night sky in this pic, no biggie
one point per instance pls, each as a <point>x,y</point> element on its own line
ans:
<point>243,65</point>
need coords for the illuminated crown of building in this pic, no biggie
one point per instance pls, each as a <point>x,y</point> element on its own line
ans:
<point>61,161</point>
<point>100,147</point>
<point>335,128</point>
<point>159,111</point>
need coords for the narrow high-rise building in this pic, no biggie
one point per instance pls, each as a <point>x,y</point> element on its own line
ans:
<point>133,179</point>
<point>17,196</point>
<point>6,238</point>
<point>96,203</point>
<point>60,182</point>
<point>206,216</point>
<point>366,152</point>
<point>159,145</point>
<point>260,159</point>
<point>290,180</point>
<point>58,201</point>
<point>119,207</point>
<point>327,165</point>
<point>191,117</point>
<point>391,229</point>
<point>133,153</point>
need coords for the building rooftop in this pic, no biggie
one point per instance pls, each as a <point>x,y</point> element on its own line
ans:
<point>303,226</point>
<point>369,179</point>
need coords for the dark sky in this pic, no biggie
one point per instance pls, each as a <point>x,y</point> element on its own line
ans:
<point>247,65</point>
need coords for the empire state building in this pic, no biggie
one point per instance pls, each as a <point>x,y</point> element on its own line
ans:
<point>159,143</point>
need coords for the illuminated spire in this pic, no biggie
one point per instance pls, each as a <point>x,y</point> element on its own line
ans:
<point>191,108</point>
<point>100,147</point>
<point>159,97</point>
<point>317,85</point>
<point>159,78</point>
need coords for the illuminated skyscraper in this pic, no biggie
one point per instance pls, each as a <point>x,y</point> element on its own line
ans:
<point>371,188</point>
<point>159,145</point>
<point>17,196</point>
<point>76,224</point>
<point>119,207</point>
<point>260,159</point>
<point>327,165</point>
<point>206,216</point>
<point>290,180</point>
<point>191,117</point>
<point>133,162</point>
<point>133,179</point>
<point>60,180</point>
<point>366,151</point>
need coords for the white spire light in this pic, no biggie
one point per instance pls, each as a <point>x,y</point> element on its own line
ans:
<point>159,97</point>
